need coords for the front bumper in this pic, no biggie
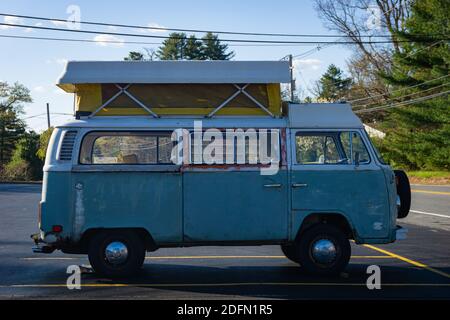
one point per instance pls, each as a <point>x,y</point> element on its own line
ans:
<point>401,233</point>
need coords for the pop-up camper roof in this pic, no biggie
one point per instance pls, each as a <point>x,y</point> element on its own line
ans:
<point>78,72</point>
<point>176,87</point>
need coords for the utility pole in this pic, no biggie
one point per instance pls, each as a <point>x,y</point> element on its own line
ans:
<point>291,68</point>
<point>48,115</point>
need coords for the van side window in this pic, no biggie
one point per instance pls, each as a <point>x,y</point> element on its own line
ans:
<point>243,147</point>
<point>316,149</point>
<point>330,148</point>
<point>126,148</point>
<point>357,149</point>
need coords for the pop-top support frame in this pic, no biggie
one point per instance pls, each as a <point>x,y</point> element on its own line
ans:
<point>240,90</point>
<point>123,90</point>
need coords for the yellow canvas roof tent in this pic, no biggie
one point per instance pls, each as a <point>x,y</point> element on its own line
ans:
<point>160,88</point>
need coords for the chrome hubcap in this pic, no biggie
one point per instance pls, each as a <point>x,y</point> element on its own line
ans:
<point>323,251</point>
<point>116,253</point>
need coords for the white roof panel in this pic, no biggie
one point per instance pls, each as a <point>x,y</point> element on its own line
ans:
<point>144,122</point>
<point>198,72</point>
<point>323,116</point>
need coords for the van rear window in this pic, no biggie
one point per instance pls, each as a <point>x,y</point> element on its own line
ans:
<point>126,148</point>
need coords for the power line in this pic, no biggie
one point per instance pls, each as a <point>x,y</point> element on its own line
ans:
<point>384,94</point>
<point>416,52</point>
<point>404,58</point>
<point>406,95</point>
<point>404,103</point>
<point>193,30</point>
<point>75,40</point>
<point>180,38</point>
<point>45,114</point>
<point>136,42</point>
<point>401,89</point>
<point>311,51</point>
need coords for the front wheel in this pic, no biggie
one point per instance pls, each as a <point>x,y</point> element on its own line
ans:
<point>290,251</point>
<point>116,254</point>
<point>324,250</point>
<point>404,193</point>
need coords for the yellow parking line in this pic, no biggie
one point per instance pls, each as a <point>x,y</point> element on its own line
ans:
<point>431,192</point>
<point>205,257</point>
<point>414,263</point>
<point>49,258</point>
<point>250,257</point>
<point>214,257</point>
<point>371,257</point>
<point>233,284</point>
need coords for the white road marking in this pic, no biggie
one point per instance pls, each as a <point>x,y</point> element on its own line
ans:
<point>430,214</point>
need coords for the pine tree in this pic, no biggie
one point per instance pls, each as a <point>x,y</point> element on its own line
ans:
<point>214,50</point>
<point>418,135</point>
<point>134,56</point>
<point>332,86</point>
<point>193,49</point>
<point>173,48</point>
<point>181,47</point>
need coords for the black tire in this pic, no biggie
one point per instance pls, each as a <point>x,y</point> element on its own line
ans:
<point>326,232</point>
<point>134,260</point>
<point>291,252</point>
<point>404,192</point>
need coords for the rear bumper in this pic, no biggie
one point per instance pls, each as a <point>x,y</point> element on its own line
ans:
<point>43,249</point>
<point>40,245</point>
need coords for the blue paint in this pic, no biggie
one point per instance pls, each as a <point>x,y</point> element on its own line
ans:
<point>203,206</point>
<point>235,206</point>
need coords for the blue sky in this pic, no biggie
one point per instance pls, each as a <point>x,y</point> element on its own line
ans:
<point>37,64</point>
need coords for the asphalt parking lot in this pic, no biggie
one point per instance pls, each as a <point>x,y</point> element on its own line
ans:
<point>415,268</point>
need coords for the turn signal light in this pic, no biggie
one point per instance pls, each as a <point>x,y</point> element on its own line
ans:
<point>57,228</point>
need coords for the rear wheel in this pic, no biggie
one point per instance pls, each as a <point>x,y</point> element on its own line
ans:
<point>291,252</point>
<point>324,250</point>
<point>116,253</point>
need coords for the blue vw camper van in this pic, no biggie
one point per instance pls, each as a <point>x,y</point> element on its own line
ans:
<point>149,163</point>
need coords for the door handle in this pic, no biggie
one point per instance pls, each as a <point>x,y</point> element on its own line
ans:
<point>299,185</point>
<point>274,185</point>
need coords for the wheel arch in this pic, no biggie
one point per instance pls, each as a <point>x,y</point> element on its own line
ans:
<point>336,219</point>
<point>143,233</point>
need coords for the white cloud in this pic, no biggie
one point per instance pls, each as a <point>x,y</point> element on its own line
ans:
<point>303,64</point>
<point>16,20</point>
<point>106,40</point>
<point>59,23</point>
<point>10,20</point>
<point>156,25</point>
<point>28,30</point>
<point>39,89</point>
<point>161,29</point>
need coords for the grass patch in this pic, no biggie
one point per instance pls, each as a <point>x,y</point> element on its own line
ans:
<point>429,177</point>
<point>429,174</point>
